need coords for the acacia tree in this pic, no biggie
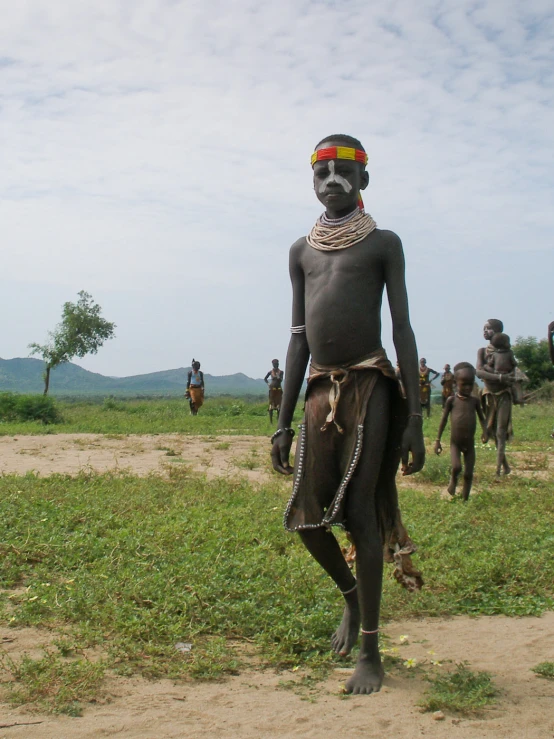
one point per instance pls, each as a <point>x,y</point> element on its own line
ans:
<point>81,331</point>
<point>533,358</point>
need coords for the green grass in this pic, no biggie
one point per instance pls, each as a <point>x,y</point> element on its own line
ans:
<point>131,566</point>
<point>136,565</point>
<point>544,669</point>
<point>52,683</point>
<point>121,417</point>
<point>461,691</point>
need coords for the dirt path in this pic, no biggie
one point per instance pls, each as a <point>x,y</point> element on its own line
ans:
<point>141,455</point>
<point>254,704</point>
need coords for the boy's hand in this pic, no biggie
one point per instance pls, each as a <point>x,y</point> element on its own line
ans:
<point>280,452</point>
<point>438,447</point>
<point>412,441</point>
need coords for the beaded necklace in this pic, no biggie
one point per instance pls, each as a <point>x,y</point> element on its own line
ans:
<point>330,234</point>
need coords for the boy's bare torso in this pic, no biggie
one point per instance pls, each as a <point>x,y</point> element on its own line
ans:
<point>463,421</point>
<point>343,293</point>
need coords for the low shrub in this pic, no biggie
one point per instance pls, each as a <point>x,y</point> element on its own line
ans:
<point>15,407</point>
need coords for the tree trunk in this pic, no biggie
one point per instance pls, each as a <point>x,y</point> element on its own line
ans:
<point>47,379</point>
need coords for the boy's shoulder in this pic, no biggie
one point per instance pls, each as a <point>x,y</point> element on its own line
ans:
<point>298,246</point>
<point>389,237</point>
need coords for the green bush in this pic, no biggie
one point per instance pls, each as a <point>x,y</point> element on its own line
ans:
<point>28,408</point>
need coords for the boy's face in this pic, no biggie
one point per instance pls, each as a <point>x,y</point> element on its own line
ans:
<point>488,333</point>
<point>337,182</point>
<point>275,364</point>
<point>464,382</point>
<point>447,368</point>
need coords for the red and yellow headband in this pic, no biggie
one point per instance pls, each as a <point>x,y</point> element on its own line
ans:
<point>342,152</point>
<point>339,152</point>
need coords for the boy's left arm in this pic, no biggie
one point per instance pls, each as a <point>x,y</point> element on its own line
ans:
<point>406,351</point>
<point>442,424</point>
<point>482,420</point>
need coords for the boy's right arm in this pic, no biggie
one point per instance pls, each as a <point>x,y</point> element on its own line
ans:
<point>298,355</point>
<point>442,425</point>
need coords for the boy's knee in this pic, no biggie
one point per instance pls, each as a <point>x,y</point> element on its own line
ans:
<point>364,532</point>
<point>456,469</point>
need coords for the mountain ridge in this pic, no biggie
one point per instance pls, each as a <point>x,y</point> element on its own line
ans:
<point>24,375</point>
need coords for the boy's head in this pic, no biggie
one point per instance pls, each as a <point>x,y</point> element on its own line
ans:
<point>422,362</point>
<point>501,341</point>
<point>275,363</point>
<point>464,374</point>
<point>491,327</point>
<point>195,365</point>
<point>447,368</point>
<point>339,163</point>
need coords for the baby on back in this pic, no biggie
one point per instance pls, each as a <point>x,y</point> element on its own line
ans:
<point>501,361</point>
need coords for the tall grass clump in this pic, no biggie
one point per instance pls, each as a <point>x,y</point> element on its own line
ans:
<point>14,407</point>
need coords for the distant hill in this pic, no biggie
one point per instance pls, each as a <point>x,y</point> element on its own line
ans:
<point>25,376</point>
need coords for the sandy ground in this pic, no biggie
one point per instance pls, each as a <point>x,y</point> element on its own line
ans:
<point>255,704</point>
<point>141,455</point>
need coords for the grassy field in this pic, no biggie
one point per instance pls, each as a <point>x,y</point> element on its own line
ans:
<point>220,416</point>
<point>132,566</point>
<point>112,416</point>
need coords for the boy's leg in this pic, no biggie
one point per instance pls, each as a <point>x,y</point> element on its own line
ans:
<point>363,526</point>
<point>502,421</point>
<point>469,466</point>
<point>456,461</point>
<point>325,549</point>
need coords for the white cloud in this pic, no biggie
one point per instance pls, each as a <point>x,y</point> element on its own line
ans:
<point>157,156</point>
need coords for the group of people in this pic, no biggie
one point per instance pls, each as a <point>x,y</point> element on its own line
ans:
<point>497,367</point>
<point>195,389</point>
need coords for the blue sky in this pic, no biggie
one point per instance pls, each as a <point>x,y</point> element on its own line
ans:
<point>157,156</point>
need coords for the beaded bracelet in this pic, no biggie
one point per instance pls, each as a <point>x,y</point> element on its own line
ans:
<point>282,431</point>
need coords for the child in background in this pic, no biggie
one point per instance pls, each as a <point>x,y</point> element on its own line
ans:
<point>464,408</point>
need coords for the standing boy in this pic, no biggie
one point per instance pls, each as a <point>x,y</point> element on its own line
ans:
<point>356,426</point>
<point>447,382</point>
<point>425,381</point>
<point>274,379</point>
<point>195,388</point>
<point>464,407</point>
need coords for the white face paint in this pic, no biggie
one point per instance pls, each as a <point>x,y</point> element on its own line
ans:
<point>332,177</point>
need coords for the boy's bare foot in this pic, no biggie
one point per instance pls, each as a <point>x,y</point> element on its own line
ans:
<point>506,467</point>
<point>367,677</point>
<point>346,636</point>
<point>451,489</point>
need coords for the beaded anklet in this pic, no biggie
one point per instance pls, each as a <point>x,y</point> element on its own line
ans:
<point>347,592</point>
<point>375,631</point>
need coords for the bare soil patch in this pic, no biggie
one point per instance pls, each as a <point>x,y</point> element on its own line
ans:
<point>254,704</point>
<point>141,455</point>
